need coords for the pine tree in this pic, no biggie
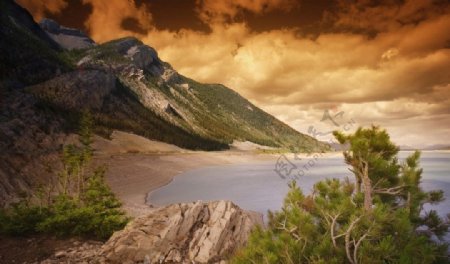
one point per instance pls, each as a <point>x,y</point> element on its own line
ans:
<point>83,204</point>
<point>378,218</point>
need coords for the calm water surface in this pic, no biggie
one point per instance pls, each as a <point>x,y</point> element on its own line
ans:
<point>258,187</point>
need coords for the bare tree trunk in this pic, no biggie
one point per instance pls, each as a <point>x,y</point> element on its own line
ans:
<point>358,181</point>
<point>367,187</point>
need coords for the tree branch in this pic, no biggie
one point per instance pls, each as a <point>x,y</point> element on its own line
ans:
<point>391,191</point>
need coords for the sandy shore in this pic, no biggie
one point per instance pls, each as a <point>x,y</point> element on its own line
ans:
<point>137,166</point>
<point>133,176</point>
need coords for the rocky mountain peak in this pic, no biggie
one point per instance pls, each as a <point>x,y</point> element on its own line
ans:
<point>68,38</point>
<point>142,56</point>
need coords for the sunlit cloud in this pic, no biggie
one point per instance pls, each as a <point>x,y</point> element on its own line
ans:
<point>213,11</point>
<point>105,22</point>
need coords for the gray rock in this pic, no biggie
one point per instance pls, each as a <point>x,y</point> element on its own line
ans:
<point>50,26</point>
<point>197,232</point>
<point>142,56</point>
<point>124,44</point>
<point>68,38</point>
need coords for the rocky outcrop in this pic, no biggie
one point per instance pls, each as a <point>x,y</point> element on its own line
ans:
<point>142,56</point>
<point>200,232</point>
<point>68,38</point>
<point>197,232</point>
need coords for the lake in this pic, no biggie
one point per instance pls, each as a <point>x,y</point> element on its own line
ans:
<point>258,187</point>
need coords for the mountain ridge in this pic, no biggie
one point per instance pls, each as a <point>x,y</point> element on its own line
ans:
<point>125,85</point>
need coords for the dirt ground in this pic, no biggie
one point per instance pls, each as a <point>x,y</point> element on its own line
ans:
<point>32,249</point>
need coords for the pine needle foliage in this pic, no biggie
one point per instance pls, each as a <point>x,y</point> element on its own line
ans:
<point>337,223</point>
<point>79,204</point>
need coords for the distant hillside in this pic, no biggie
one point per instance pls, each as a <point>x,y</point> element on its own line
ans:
<point>406,147</point>
<point>44,87</point>
<point>437,147</point>
<point>429,147</point>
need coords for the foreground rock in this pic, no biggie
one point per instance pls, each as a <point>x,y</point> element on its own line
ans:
<point>182,233</point>
<point>200,232</point>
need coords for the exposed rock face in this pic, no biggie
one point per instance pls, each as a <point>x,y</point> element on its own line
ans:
<point>170,76</point>
<point>142,56</point>
<point>29,141</point>
<point>182,233</point>
<point>67,38</point>
<point>145,58</point>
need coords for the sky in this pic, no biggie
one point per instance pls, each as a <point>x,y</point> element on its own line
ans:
<point>364,62</point>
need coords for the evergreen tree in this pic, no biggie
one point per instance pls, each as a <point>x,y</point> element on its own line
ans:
<point>82,205</point>
<point>378,218</point>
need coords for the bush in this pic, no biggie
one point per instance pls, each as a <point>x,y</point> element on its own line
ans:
<point>84,205</point>
<point>21,218</point>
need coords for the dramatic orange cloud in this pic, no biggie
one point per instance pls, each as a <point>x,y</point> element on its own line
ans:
<point>107,16</point>
<point>213,11</point>
<point>38,8</point>
<point>385,63</point>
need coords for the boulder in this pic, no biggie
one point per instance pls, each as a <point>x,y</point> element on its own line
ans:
<point>198,232</point>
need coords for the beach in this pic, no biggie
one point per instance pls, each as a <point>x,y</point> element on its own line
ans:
<point>137,166</point>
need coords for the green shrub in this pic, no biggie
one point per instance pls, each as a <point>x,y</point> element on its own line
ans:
<point>21,218</point>
<point>83,206</point>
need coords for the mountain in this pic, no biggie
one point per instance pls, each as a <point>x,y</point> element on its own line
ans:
<point>437,147</point>
<point>428,147</point>
<point>46,82</point>
<point>67,38</point>
<point>406,147</point>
